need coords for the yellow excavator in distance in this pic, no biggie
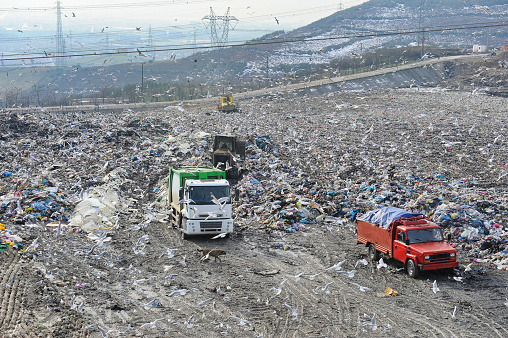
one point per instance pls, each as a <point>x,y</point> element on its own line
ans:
<point>226,104</point>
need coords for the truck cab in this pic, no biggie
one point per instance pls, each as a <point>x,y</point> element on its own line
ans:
<point>406,237</point>
<point>423,243</point>
<point>200,201</point>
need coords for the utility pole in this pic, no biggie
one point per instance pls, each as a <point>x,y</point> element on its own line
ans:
<point>142,79</point>
<point>340,7</point>
<point>267,71</point>
<point>60,42</point>
<point>420,26</point>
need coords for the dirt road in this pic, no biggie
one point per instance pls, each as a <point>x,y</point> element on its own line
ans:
<point>252,292</point>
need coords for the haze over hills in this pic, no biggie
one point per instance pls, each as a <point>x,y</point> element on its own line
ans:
<point>352,34</point>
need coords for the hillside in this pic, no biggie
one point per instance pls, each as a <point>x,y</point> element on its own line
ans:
<point>339,43</point>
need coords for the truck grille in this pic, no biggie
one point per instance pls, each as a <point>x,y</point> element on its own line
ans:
<point>439,258</point>
<point>208,225</point>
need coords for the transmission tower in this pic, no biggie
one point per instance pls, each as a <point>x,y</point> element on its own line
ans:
<point>219,27</point>
<point>219,31</point>
<point>60,42</point>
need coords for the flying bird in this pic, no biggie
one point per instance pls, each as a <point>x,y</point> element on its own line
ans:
<point>203,303</point>
<point>434,287</point>
<point>181,292</point>
<point>325,289</point>
<point>73,15</point>
<point>169,254</point>
<point>152,324</point>
<point>138,28</point>
<point>350,274</point>
<point>381,264</point>
<point>294,312</point>
<point>361,261</point>
<point>297,276</point>
<point>222,235</point>
<point>452,314</point>
<point>362,288</point>
<point>482,8</point>
<point>242,321</point>
<point>337,266</point>
<point>277,20</point>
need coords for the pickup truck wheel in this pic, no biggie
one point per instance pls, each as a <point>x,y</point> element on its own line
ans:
<point>373,253</point>
<point>411,268</point>
<point>184,235</point>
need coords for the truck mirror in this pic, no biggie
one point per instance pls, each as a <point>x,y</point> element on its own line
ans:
<point>180,194</point>
<point>449,237</point>
<point>237,195</point>
<point>407,241</point>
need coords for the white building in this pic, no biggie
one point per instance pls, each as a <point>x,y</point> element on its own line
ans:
<point>479,49</point>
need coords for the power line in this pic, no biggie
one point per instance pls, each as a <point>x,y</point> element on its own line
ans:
<point>234,43</point>
<point>275,41</point>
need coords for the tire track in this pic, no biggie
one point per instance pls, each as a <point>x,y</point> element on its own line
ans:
<point>9,290</point>
<point>408,316</point>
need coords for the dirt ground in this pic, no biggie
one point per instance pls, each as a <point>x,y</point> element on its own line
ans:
<point>269,284</point>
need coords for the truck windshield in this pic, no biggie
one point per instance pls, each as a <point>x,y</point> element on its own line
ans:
<point>425,235</point>
<point>203,195</point>
<point>224,143</point>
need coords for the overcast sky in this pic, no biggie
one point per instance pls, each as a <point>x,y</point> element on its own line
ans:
<point>90,15</point>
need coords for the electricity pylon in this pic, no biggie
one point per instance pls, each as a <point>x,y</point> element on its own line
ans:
<point>219,32</point>
<point>60,42</point>
<point>219,27</point>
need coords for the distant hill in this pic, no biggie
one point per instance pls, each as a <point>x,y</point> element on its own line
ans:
<point>286,56</point>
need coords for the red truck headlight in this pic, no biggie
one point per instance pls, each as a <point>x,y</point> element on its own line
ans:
<point>452,254</point>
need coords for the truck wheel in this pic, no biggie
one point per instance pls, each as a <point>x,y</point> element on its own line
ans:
<point>175,221</point>
<point>184,235</point>
<point>373,253</point>
<point>411,268</point>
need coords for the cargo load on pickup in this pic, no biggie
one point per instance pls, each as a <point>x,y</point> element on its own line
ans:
<point>410,238</point>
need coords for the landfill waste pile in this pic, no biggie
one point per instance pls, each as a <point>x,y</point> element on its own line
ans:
<point>86,250</point>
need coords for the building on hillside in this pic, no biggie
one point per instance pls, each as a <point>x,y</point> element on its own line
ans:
<point>479,49</point>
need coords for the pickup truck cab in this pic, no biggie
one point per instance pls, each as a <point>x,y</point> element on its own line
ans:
<point>410,238</point>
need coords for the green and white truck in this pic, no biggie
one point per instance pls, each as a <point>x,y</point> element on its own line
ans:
<point>200,202</point>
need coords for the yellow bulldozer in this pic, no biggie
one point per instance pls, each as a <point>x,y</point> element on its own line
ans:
<point>226,104</point>
<point>228,154</point>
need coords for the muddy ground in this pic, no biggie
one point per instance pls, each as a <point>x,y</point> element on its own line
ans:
<point>269,284</point>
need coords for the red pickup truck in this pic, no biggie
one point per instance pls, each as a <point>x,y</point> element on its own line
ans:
<point>407,237</point>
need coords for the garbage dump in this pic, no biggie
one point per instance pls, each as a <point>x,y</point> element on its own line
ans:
<point>85,215</point>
